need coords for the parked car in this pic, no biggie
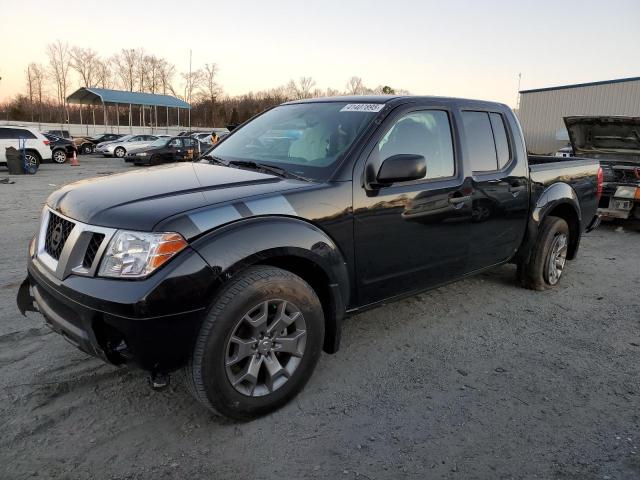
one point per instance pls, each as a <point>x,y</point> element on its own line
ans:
<point>59,133</point>
<point>118,148</point>
<point>36,148</point>
<point>166,150</point>
<point>564,152</point>
<point>238,269</point>
<point>615,142</point>
<point>61,148</point>
<point>202,137</point>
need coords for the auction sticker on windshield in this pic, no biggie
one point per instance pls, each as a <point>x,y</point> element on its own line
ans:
<point>363,107</point>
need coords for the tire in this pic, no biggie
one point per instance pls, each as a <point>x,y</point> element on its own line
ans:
<point>155,160</point>
<point>33,158</point>
<point>549,250</point>
<point>120,152</point>
<point>87,148</point>
<point>218,362</point>
<point>59,156</point>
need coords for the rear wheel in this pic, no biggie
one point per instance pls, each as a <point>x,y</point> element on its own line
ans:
<point>87,148</point>
<point>548,257</point>
<point>119,152</point>
<point>59,156</point>
<point>258,345</point>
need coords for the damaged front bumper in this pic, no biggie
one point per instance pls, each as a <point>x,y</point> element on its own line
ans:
<point>151,322</point>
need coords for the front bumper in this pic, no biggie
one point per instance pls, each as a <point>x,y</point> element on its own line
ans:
<point>151,322</point>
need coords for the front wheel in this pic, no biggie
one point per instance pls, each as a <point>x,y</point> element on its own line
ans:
<point>258,345</point>
<point>548,257</point>
<point>87,149</point>
<point>119,152</point>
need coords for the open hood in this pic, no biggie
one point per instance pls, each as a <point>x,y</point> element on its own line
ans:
<point>605,137</point>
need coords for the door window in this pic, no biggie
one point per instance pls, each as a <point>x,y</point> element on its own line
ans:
<point>426,133</point>
<point>175,143</point>
<point>486,140</point>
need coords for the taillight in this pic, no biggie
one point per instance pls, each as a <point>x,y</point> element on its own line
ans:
<point>600,182</point>
<point>46,142</point>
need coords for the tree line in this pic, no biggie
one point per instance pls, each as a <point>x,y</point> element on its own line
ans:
<point>69,67</point>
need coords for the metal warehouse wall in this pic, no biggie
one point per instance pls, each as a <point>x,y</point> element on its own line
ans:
<point>541,113</point>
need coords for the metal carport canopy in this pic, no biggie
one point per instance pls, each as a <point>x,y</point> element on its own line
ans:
<point>105,96</point>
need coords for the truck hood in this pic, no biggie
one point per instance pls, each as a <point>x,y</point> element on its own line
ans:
<point>140,199</point>
<point>606,137</point>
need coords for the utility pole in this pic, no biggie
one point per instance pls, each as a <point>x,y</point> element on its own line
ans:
<point>190,88</point>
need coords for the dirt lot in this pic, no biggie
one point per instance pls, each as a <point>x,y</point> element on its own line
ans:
<point>480,379</point>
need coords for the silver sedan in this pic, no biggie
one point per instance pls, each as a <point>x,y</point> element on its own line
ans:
<point>120,147</point>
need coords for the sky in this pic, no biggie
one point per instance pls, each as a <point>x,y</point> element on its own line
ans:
<point>462,48</point>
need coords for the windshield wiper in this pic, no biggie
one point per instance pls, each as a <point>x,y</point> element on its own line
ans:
<point>281,172</point>
<point>214,159</point>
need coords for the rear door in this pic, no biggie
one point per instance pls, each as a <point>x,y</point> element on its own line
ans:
<point>176,150</point>
<point>6,140</point>
<point>411,235</point>
<point>500,195</point>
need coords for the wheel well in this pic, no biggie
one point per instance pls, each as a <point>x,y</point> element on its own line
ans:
<point>568,214</point>
<point>35,152</point>
<point>315,276</point>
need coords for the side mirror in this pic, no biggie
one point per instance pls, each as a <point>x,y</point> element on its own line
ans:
<point>401,168</point>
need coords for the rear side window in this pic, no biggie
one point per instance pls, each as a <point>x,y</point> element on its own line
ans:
<point>500,136</point>
<point>487,141</point>
<point>22,133</point>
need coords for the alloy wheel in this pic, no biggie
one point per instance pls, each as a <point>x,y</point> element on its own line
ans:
<point>59,156</point>
<point>557,258</point>
<point>265,348</point>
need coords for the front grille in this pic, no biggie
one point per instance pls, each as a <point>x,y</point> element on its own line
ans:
<point>92,249</point>
<point>58,231</point>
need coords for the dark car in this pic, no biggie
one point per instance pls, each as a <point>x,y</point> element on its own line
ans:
<point>167,150</point>
<point>58,133</point>
<point>61,148</point>
<point>238,269</point>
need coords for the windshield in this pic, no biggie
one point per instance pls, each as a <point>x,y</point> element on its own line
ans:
<point>160,142</point>
<point>306,139</point>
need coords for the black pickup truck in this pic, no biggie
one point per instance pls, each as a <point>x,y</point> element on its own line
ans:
<point>239,268</point>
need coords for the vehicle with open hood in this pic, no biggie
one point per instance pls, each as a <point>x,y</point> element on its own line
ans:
<point>615,142</point>
<point>238,269</point>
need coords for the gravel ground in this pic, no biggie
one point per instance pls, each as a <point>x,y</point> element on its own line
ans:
<point>479,379</point>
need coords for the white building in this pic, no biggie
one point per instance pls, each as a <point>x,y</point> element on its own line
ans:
<point>542,110</point>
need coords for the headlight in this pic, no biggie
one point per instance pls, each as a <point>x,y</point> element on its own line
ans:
<point>142,154</point>
<point>137,254</point>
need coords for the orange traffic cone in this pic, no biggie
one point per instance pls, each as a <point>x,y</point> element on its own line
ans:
<point>74,160</point>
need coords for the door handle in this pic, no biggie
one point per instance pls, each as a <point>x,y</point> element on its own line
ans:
<point>516,189</point>
<point>458,202</point>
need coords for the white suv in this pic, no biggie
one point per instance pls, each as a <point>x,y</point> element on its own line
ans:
<point>37,146</point>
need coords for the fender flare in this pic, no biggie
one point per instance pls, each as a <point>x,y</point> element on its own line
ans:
<point>238,245</point>
<point>556,195</point>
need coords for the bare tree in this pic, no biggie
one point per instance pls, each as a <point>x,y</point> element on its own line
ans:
<point>301,89</point>
<point>84,61</point>
<point>59,63</point>
<point>193,82</point>
<point>151,66</point>
<point>210,88</point>
<point>355,86</point>
<point>166,71</point>
<point>104,77</point>
<point>30,87</point>
<point>126,63</point>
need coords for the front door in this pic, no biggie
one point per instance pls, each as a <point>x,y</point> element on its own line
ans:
<point>413,235</point>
